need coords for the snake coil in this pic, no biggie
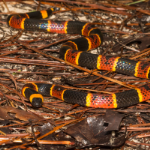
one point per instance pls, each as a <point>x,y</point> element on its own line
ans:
<point>73,51</point>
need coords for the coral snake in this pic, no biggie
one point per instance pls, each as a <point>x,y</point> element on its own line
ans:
<point>74,51</point>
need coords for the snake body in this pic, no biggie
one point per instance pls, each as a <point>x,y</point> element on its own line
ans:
<point>74,51</point>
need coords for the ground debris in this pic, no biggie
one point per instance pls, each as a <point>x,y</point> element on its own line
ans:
<point>29,56</point>
<point>98,130</point>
